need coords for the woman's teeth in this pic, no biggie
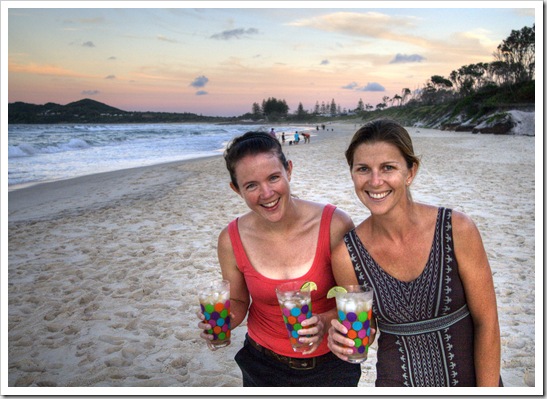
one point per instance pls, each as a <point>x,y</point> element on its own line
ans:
<point>271,204</point>
<point>379,195</point>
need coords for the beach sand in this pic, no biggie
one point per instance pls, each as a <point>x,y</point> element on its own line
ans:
<point>102,270</point>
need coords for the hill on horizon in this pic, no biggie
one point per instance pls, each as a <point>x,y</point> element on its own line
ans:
<point>91,111</point>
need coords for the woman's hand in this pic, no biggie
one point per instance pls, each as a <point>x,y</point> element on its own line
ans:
<point>312,333</point>
<point>204,326</point>
<point>338,343</point>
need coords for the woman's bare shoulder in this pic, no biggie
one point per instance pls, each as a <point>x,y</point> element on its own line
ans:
<point>462,224</point>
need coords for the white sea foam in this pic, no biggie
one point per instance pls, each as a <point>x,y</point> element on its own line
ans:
<point>38,153</point>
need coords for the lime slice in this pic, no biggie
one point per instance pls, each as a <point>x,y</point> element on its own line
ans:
<point>308,286</point>
<point>335,290</point>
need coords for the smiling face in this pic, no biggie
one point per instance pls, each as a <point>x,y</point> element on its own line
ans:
<point>381,176</point>
<point>263,183</point>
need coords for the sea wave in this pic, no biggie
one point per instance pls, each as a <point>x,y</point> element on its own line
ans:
<point>51,152</point>
<point>28,150</point>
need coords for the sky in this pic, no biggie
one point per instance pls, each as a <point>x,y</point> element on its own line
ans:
<point>210,59</point>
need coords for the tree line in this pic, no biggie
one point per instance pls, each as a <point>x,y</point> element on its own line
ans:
<point>513,67</point>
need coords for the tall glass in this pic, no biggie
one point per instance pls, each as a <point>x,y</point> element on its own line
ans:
<point>214,300</point>
<point>295,304</point>
<point>355,313</point>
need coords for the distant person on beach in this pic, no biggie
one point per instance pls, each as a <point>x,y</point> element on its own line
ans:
<point>434,300</point>
<point>296,138</point>
<point>282,238</point>
<point>306,137</point>
<point>272,132</point>
<point>283,137</point>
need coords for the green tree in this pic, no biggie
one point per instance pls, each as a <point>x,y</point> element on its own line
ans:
<point>301,113</point>
<point>332,108</point>
<point>256,112</point>
<point>323,108</point>
<point>317,109</point>
<point>360,106</point>
<point>405,94</point>
<point>274,108</point>
<point>518,51</point>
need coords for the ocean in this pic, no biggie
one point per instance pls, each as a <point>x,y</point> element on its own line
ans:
<point>41,153</point>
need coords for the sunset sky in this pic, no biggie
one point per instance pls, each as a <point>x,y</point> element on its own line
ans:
<point>218,61</point>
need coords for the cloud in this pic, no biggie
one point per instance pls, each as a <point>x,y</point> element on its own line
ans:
<point>234,33</point>
<point>44,69</point>
<point>112,58</point>
<point>90,92</point>
<point>200,81</point>
<point>111,77</point>
<point>372,87</point>
<point>325,62</point>
<point>370,24</point>
<point>350,86</point>
<point>404,58</point>
<point>88,44</point>
<point>201,93</point>
<point>166,39</point>
<point>369,87</point>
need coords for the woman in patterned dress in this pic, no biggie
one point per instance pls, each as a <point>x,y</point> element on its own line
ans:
<point>434,300</point>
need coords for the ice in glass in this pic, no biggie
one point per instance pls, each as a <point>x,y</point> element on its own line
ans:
<point>295,304</point>
<point>355,313</point>
<point>214,299</point>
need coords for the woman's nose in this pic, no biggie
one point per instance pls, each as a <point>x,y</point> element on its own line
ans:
<point>265,191</point>
<point>376,178</point>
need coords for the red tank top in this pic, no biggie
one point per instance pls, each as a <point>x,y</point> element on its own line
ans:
<point>265,322</point>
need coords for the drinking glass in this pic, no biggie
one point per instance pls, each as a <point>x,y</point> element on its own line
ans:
<point>214,299</point>
<point>355,313</point>
<point>295,304</point>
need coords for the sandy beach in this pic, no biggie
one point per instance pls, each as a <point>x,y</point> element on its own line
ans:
<point>102,270</point>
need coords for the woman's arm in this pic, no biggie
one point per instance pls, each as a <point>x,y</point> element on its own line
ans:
<point>319,324</point>
<point>478,284</point>
<point>341,223</point>
<point>344,275</point>
<point>239,294</point>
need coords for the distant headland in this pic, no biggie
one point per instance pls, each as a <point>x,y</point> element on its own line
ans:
<point>91,111</point>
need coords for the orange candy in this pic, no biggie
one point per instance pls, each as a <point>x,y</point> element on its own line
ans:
<point>352,334</point>
<point>219,307</point>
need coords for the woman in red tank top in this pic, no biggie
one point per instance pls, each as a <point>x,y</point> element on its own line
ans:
<point>281,239</point>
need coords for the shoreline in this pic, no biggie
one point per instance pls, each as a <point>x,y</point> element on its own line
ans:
<point>150,162</point>
<point>101,275</point>
<point>30,195</point>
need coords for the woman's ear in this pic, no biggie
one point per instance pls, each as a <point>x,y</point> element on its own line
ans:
<point>233,187</point>
<point>289,169</point>
<point>412,172</point>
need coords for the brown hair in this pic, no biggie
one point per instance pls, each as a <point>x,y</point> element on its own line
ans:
<point>251,143</point>
<point>383,130</point>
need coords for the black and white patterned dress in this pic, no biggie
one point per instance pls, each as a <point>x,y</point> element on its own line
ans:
<point>426,331</point>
